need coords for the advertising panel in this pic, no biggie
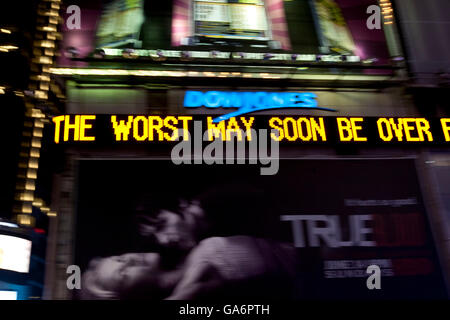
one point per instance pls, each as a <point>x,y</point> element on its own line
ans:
<point>153,229</point>
<point>8,295</point>
<point>120,23</point>
<point>14,253</point>
<point>235,20</point>
<point>333,30</point>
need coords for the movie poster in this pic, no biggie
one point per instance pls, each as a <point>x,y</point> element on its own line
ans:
<point>150,229</point>
<point>120,24</point>
<point>332,27</point>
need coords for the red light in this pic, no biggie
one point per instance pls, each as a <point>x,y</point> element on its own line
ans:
<point>42,231</point>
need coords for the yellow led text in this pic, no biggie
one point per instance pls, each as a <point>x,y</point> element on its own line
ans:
<point>304,129</point>
<point>224,130</point>
<point>348,129</point>
<point>151,128</point>
<point>404,129</point>
<point>78,127</point>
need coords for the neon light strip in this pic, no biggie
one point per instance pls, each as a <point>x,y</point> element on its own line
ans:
<point>154,73</point>
<point>227,54</point>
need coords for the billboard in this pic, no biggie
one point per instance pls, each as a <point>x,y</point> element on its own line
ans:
<point>120,23</point>
<point>15,253</point>
<point>152,229</point>
<point>297,131</point>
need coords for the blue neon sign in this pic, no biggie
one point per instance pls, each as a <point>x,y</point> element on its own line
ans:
<point>247,102</point>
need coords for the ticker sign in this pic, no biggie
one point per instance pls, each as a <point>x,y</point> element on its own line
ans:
<point>286,129</point>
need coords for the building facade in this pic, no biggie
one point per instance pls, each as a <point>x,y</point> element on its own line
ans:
<point>332,94</point>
